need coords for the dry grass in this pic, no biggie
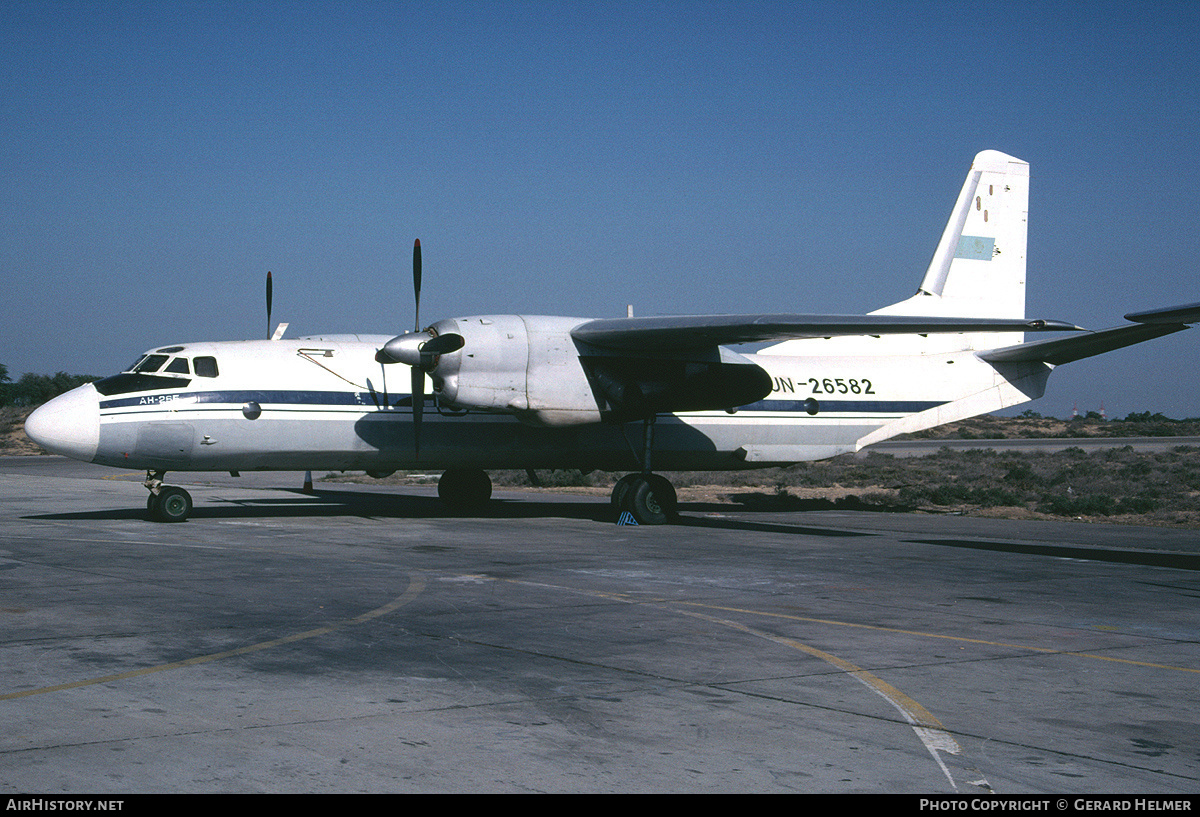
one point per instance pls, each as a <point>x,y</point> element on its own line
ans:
<point>13,441</point>
<point>1118,485</point>
<point>990,427</point>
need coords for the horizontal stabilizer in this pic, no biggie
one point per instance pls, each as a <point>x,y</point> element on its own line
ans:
<point>1189,313</point>
<point>701,331</point>
<point>1057,351</point>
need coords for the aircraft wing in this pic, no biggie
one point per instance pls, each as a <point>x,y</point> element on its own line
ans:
<point>1150,324</point>
<point>678,333</point>
<point>1188,313</point>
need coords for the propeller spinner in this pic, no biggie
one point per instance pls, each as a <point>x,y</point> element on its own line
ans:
<point>419,350</point>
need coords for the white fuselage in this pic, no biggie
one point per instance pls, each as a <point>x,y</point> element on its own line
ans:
<point>326,403</point>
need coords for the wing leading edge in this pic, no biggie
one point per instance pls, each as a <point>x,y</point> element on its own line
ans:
<point>667,334</point>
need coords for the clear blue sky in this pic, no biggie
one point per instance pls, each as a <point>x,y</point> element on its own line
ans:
<point>555,157</point>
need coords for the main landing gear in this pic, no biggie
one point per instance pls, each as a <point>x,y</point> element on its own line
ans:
<point>463,488</point>
<point>166,503</point>
<point>648,497</point>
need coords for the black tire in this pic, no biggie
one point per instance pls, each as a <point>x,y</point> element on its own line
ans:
<point>171,504</point>
<point>465,487</point>
<point>620,491</point>
<point>651,500</point>
<point>665,492</point>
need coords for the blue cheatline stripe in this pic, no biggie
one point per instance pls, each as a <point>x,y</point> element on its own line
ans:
<point>827,406</point>
<point>263,397</point>
<point>367,400</point>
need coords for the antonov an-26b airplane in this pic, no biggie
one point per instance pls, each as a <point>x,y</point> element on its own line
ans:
<point>627,394</point>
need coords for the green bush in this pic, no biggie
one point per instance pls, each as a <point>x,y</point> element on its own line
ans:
<point>35,389</point>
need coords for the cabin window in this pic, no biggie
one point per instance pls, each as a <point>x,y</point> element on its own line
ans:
<point>205,366</point>
<point>178,366</point>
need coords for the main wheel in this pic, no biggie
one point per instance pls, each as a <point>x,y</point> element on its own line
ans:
<point>651,499</point>
<point>465,487</point>
<point>620,491</point>
<point>170,504</point>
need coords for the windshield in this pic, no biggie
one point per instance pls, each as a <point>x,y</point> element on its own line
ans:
<point>148,363</point>
<point>128,382</point>
<point>140,375</point>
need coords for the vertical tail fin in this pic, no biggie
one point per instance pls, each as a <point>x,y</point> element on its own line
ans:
<point>978,269</point>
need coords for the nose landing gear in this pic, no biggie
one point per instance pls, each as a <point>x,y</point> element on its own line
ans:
<point>166,503</point>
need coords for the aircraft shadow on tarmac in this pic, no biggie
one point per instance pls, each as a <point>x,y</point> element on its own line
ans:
<point>326,504</point>
<point>323,504</point>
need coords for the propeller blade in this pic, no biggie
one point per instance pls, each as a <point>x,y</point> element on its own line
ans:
<point>268,304</point>
<point>442,345</point>
<point>417,349</point>
<point>418,406</point>
<point>417,283</point>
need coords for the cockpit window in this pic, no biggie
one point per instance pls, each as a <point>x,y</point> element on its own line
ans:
<point>175,374</point>
<point>206,366</point>
<point>129,382</point>
<point>149,363</point>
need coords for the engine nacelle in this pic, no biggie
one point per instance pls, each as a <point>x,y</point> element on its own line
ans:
<point>531,367</point>
<point>523,365</point>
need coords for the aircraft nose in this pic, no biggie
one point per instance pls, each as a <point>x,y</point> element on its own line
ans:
<point>69,424</point>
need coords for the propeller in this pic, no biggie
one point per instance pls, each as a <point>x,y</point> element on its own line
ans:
<point>268,305</point>
<point>417,373</point>
<point>417,285</point>
<point>419,350</point>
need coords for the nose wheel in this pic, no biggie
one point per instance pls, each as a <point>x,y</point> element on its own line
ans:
<point>166,503</point>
